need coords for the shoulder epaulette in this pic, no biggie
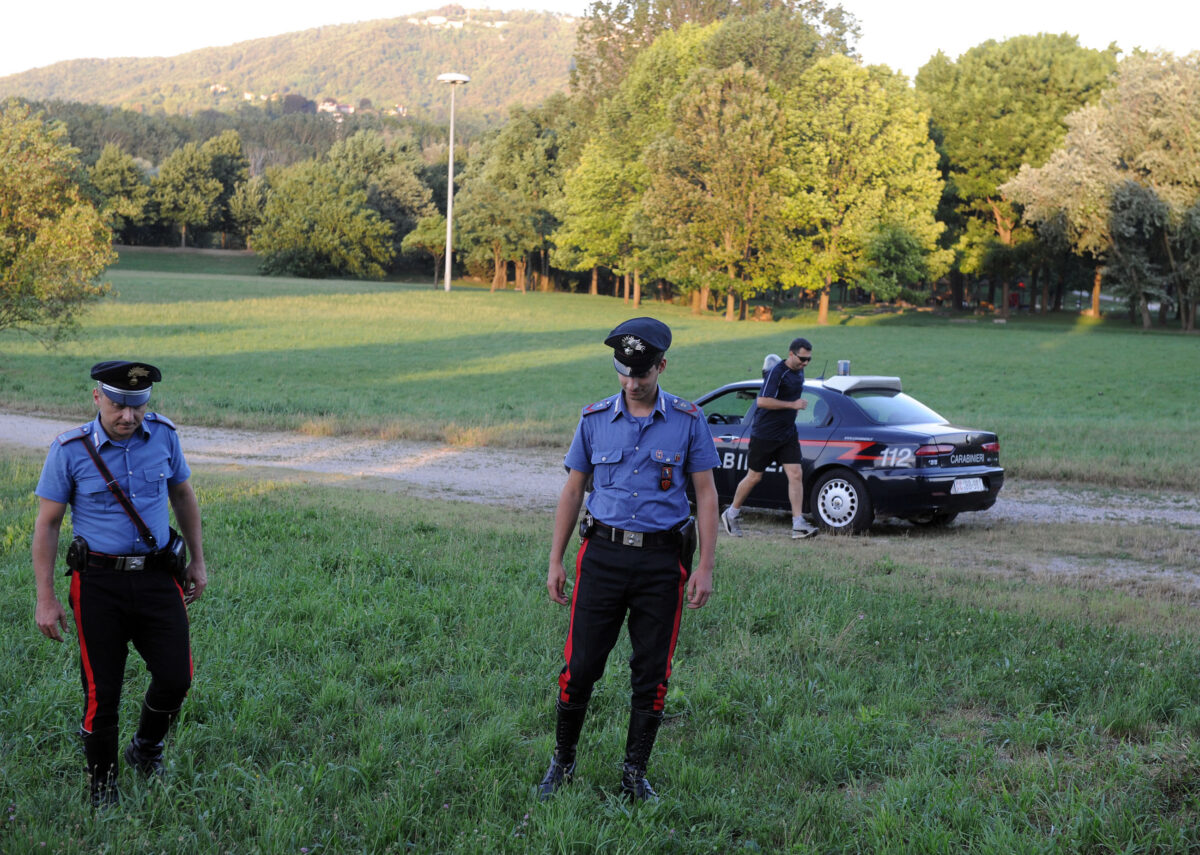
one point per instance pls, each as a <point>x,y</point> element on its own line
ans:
<point>161,419</point>
<point>74,433</point>
<point>686,407</point>
<point>598,407</point>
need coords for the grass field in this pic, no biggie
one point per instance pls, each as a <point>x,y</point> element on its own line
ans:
<point>374,674</point>
<point>1071,399</point>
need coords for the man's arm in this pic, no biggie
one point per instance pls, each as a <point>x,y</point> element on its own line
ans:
<point>565,519</point>
<point>776,404</point>
<point>700,583</point>
<point>50,616</point>
<point>187,514</point>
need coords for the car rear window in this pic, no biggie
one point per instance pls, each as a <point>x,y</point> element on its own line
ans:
<point>889,407</point>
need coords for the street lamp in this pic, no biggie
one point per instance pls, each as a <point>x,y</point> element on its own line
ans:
<point>454,80</point>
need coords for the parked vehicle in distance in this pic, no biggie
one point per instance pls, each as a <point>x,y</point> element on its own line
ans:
<point>868,450</point>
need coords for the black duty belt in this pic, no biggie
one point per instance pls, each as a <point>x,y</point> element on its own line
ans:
<point>636,538</point>
<point>128,563</point>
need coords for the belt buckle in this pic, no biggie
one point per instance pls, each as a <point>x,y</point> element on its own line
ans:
<point>134,562</point>
<point>631,538</point>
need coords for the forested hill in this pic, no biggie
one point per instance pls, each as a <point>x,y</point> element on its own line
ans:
<point>511,57</point>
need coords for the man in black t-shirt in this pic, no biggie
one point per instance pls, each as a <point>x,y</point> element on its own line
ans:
<point>773,438</point>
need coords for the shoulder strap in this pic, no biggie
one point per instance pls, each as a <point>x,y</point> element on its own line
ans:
<point>113,487</point>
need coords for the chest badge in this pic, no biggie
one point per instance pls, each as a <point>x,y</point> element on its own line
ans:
<point>665,476</point>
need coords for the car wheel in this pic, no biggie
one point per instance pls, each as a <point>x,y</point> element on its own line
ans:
<point>840,502</point>
<point>934,520</point>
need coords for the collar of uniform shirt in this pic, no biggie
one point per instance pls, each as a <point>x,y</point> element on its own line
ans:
<point>101,435</point>
<point>660,407</point>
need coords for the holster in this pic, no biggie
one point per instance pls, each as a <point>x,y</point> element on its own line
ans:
<point>586,526</point>
<point>77,554</point>
<point>175,555</point>
<point>687,542</point>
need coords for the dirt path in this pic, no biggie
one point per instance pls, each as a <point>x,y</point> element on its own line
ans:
<point>532,477</point>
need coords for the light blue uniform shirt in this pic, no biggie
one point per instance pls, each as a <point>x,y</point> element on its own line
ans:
<point>145,465</point>
<point>626,457</point>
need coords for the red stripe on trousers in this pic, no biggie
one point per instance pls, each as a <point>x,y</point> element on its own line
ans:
<point>89,714</point>
<point>661,697</point>
<point>565,676</point>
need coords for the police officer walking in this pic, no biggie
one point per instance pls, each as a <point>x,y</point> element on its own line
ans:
<point>130,577</point>
<point>637,544</point>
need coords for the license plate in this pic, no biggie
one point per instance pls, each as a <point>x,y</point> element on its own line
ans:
<point>967,485</point>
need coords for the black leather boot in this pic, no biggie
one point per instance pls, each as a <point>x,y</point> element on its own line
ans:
<point>568,724</point>
<point>145,751</point>
<point>643,729</point>
<point>100,752</point>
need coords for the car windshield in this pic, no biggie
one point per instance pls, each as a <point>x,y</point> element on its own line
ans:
<point>889,407</point>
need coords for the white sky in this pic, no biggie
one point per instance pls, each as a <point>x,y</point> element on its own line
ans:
<point>901,34</point>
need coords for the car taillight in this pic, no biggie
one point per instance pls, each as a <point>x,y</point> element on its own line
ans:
<point>993,447</point>
<point>934,450</point>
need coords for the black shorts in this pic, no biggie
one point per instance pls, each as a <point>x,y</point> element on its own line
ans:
<point>764,452</point>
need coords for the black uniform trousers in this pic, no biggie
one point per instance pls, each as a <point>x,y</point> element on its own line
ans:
<point>113,608</point>
<point>612,581</point>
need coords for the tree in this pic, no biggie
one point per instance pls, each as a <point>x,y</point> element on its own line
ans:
<point>1001,105</point>
<point>186,191</point>
<point>124,190</point>
<point>246,206</point>
<point>316,224</point>
<point>713,180</point>
<point>53,242</point>
<point>858,156</point>
<point>429,236</point>
<point>228,164</point>
<point>1143,131</point>
<point>895,258</point>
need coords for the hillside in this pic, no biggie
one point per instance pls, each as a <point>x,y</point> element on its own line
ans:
<point>511,57</point>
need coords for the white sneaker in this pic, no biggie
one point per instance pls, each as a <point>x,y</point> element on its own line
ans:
<point>732,526</point>
<point>804,529</point>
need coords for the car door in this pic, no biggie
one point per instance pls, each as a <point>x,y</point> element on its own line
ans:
<point>726,415</point>
<point>814,426</point>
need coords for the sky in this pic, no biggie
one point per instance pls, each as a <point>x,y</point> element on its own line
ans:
<point>903,35</point>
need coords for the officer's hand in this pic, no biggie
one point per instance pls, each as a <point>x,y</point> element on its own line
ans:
<point>699,588</point>
<point>51,618</point>
<point>556,583</point>
<point>195,581</point>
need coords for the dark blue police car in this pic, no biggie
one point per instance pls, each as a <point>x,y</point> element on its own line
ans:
<point>868,451</point>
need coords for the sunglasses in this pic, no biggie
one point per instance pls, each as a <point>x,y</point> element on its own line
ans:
<point>803,358</point>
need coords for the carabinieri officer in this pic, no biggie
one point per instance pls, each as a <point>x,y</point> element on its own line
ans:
<point>122,565</point>
<point>637,542</point>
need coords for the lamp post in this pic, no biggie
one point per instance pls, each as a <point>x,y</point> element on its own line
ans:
<point>454,80</point>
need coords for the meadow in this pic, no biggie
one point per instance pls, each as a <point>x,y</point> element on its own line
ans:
<point>374,672</point>
<point>1072,399</point>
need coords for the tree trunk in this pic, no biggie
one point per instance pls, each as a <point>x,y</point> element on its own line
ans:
<point>1004,299</point>
<point>956,290</point>
<point>1144,309</point>
<point>437,267</point>
<point>1095,310</point>
<point>705,293</point>
<point>182,235</point>
<point>694,299</point>
<point>520,273</point>
<point>823,304</point>
<point>594,289</point>
<point>637,289</point>
<point>499,270</point>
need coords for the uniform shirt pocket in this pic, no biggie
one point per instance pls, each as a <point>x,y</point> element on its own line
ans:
<point>667,456</point>
<point>94,492</point>
<point>152,481</point>
<point>605,465</point>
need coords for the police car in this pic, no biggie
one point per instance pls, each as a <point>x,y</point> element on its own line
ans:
<point>868,450</point>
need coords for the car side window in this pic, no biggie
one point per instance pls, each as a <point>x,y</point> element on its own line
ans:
<point>816,414</point>
<point>731,407</point>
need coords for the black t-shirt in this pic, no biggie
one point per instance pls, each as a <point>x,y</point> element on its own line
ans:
<point>782,384</point>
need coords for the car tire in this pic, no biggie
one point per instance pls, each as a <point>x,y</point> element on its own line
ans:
<point>937,520</point>
<point>839,503</point>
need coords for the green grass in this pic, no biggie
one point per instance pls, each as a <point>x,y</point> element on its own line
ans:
<point>374,674</point>
<point>1072,399</point>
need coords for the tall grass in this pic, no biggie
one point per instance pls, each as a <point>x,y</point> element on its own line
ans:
<point>1071,399</point>
<point>375,674</point>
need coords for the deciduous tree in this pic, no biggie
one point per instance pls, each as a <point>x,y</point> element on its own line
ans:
<point>53,242</point>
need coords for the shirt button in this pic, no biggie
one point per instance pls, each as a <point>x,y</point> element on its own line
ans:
<point>635,471</point>
<point>602,459</point>
<point>635,495</point>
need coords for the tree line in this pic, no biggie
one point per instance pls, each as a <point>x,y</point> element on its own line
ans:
<point>721,153</point>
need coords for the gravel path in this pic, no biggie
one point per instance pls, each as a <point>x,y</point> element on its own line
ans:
<point>532,477</point>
